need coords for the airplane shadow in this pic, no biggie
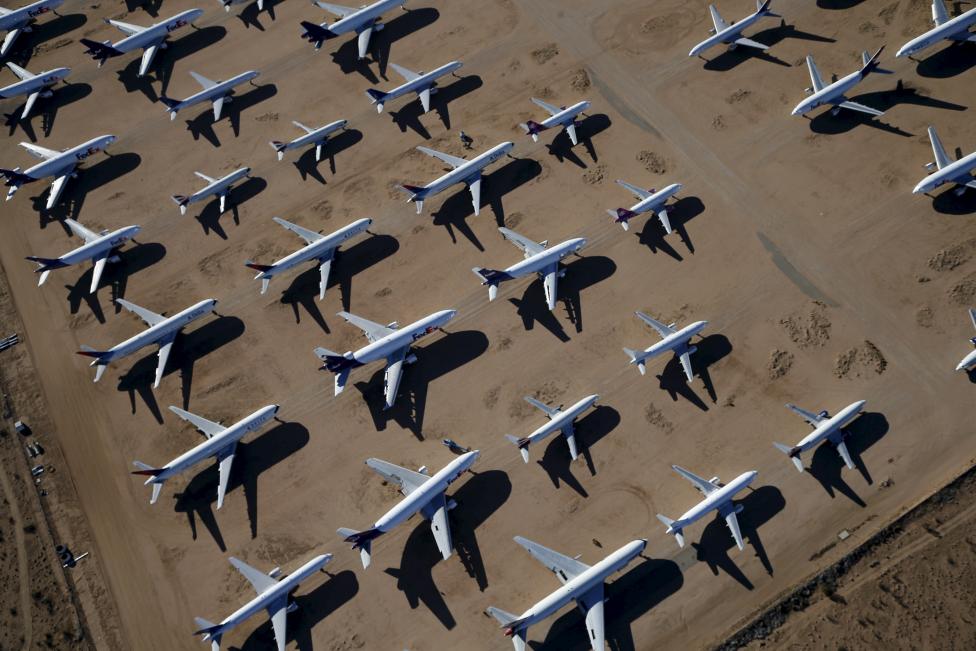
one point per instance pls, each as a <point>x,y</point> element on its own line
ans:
<point>838,4</point>
<point>250,13</point>
<point>304,288</point>
<point>306,164</point>
<point>478,498</point>
<point>162,70</point>
<point>209,217</point>
<point>29,43</point>
<point>580,274</point>
<point>729,59</point>
<point>680,213</point>
<point>561,146</point>
<point>672,379</point>
<point>408,117</point>
<point>202,126</point>
<point>759,507</point>
<point>91,178</point>
<point>151,7</point>
<point>950,61</point>
<point>47,108</point>
<point>828,468</point>
<point>116,276</point>
<point>408,22</point>
<point>948,202</point>
<point>251,459</point>
<point>883,101</point>
<point>440,357</point>
<point>589,429</point>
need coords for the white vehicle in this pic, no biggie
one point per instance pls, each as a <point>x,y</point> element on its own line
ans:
<point>959,172</point>
<point>216,92</point>
<point>320,248</point>
<point>538,259</point>
<point>833,94</point>
<point>559,421</point>
<point>62,165</point>
<point>648,201</point>
<point>581,583</point>
<point>149,39</point>
<point>673,340</point>
<point>424,84</point>
<point>422,494</point>
<point>100,248</point>
<point>162,330</point>
<point>221,443</point>
<point>361,20</point>
<point>564,117</point>
<point>731,34</point>
<point>388,342</point>
<point>32,85</point>
<point>825,428</point>
<point>273,596</point>
<point>968,362</point>
<point>15,21</point>
<point>215,187</point>
<point>951,29</point>
<point>716,497</point>
<point>313,136</point>
<point>464,171</point>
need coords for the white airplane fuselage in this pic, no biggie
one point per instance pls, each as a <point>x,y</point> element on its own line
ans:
<point>829,92</point>
<point>716,499</point>
<point>673,341</point>
<point>968,362</point>
<point>219,185</point>
<point>73,156</point>
<point>543,259</point>
<point>161,330</point>
<point>402,337</point>
<point>105,243</point>
<point>948,174</point>
<point>315,250</point>
<point>831,425</point>
<point>562,419</point>
<point>40,82</point>
<point>214,92</point>
<point>161,29</point>
<point>657,199</point>
<point>469,169</point>
<point>727,35</point>
<point>421,82</point>
<point>948,29</point>
<point>354,21</point>
<point>23,16</point>
<point>566,116</point>
<point>317,137</point>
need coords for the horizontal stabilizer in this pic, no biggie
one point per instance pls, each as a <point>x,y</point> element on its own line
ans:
<point>316,33</point>
<point>522,444</point>
<point>413,190</point>
<point>99,51</point>
<point>208,629</point>
<point>169,102</point>
<point>258,267</point>
<point>792,452</point>
<point>491,276</point>
<point>672,529</point>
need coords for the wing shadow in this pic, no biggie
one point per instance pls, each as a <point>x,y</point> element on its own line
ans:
<point>209,217</point>
<point>91,178</point>
<point>591,428</point>
<point>710,350</point>
<point>116,275</point>
<point>561,146</point>
<point>680,213</point>
<point>47,108</point>
<point>828,468</point>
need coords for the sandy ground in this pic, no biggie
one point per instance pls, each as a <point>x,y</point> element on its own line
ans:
<point>824,281</point>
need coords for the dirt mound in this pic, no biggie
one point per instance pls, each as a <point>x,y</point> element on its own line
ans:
<point>810,330</point>
<point>860,361</point>
<point>595,175</point>
<point>779,364</point>
<point>964,292</point>
<point>653,162</point>
<point>580,81</point>
<point>545,53</point>
<point>954,256</point>
<point>738,96</point>
<point>655,417</point>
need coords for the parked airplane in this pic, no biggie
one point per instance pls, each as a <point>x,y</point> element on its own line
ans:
<point>968,362</point>
<point>731,34</point>
<point>101,248</point>
<point>676,341</point>
<point>959,172</point>
<point>564,117</point>
<point>464,171</point>
<point>424,84</point>
<point>273,595</point>
<point>15,21</point>
<point>162,330</point>
<point>150,39</point>
<point>389,342</point>
<point>716,497</point>
<point>216,92</point>
<point>825,428</point>
<point>320,248</point>
<point>951,29</point>
<point>221,443</point>
<point>61,165</point>
<point>559,420</point>
<point>362,20</point>
<point>227,4</point>
<point>32,85</point>
<point>317,136</point>
<point>422,494</point>
<point>833,93</point>
<point>538,259</point>
<point>581,583</point>
<point>215,187</point>
<point>648,201</point>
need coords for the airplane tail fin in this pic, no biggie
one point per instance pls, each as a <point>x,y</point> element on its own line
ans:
<point>533,129</point>
<point>335,362</point>
<point>100,52</point>
<point>14,179</point>
<point>279,147</point>
<point>763,8</point>
<point>674,528</point>
<point>377,97</point>
<point>361,540</point>
<point>792,452</point>
<point>491,277</point>
<point>522,444</point>
<point>635,358</point>
<point>871,63</point>
<point>622,216</point>
<point>99,360</point>
<point>209,631</point>
<point>513,626</point>
<point>45,266</point>
<point>258,267</point>
<point>145,469</point>
<point>415,191</point>
<point>316,34</point>
<point>182,201</point>
<point>169,102</point>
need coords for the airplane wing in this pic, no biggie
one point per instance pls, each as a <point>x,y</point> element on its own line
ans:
<point>57,186</point>
<point>436,511</point>
<point>218,107</point>
<point>258,579</point>
<point>127,28</point>
<point>662,329</point>
<point>549,411</point>
<point>29,104</point>
<point>727,511</point>
<point>225,458</point>
<point>809,416</point>
<point>150,317</point>
<point>972,315</point>
<point>704,486</point>
<point>304,233</point>
<point>860,108</point>
<point>339,10</point>
<point>748,42</point>
<point>206,178</point>
<point>662,215</point>
<point>939,13</point>
<point>407,480</point>
<point>454,161</point>
<point>845,454</point>
<point>203,81</point>
<point>325,267</point>
<point>564,567</point>
<point>278,612</point>
<point>371,329</point>
<point>392,375</point>
<point>407,74</point>
<point>717,19</point>
<point>40,152</point>
<point>815,81</point>
<point>207,427</point>
<point>84,233</point>
<point>640,193</point>
<point>424,96</point>
<point>553,110</point>
<point>363,41</point>
<point>148,54</point>
<point>549,284</point>
<point>685,358</point>
<point>591,603</point>
<point>165,348</point>
<point>571,132</point>
<point>97,270</point>
<point>528,247</point>
<point>941,159</point>
<point>23,73</point>
<point>474,185</point>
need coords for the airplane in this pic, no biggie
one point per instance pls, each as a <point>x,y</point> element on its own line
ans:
<point>955,29</point>
<point>424,84</point>
<point>422,493</point>
<point>101,248</point>
<point>150,39</point>
<point>220,187</point>
<point>968,362</point>
<point>320,248</point>
<point>162,330</point>
<point>362,20</point>
<point>564,117</point>
<point>15,21</point>
<point>559,420</point>
<point>947,171</point>
<point>648,201</point>
<point>226,4</point>
<point>32,85</point>
<point>464,171</point>
<point>833,93</point>
<point>273,595</point>
<point>61,165</point>
<point>317,136</point>
<point>538,259</point>
<point>731,35</point>
<point>581,583</point>
<point>825,428</point>
<point>221,443</point>
<point>389,342</point>
<point>217,92</point>
<point>676,341</point>
<point>716,498</point>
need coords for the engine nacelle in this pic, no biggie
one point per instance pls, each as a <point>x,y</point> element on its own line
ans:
<point>292,607</point>
<point>410,359</point>
<point>738,508</point>
<point>275,573</point>
<point>115,259</point>
<point>451,505</point>
<point>378,27</point>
